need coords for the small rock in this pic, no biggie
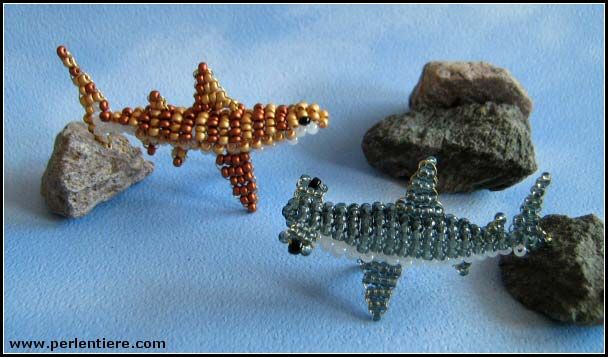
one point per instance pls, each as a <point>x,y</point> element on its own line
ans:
<point>450,84</point>
<point>563,280</point>
<point>477,145</point>
<point>81,172</point>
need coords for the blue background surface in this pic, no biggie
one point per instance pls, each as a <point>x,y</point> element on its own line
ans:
<point>176,258</point>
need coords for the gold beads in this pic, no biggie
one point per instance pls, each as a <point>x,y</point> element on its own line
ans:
<point>218,149</point>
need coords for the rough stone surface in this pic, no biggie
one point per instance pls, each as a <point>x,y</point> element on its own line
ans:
<point>81,172</point>
<point>450,84</point>
<point>477,145</point>
<point>563,280</point>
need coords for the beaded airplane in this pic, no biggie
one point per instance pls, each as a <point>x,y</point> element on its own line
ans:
<point>385,237</point>
<point>215,123</point>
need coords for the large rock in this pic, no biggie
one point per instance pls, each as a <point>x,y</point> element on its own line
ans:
<point>477,145</point>
<point>472,116</point>
<point>450,84</point>
<point>565,279</point>
<point>81,172</point>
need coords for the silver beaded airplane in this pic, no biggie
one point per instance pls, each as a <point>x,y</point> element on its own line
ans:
<point>385,237</point>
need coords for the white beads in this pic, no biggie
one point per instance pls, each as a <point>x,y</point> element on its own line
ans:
<point>505,251</point>
<point>391,261</point>
<point>366,258</point>
<point>326,244</point>
<point>339,249</point>
<point>300,131</point>
<point>519,250</point>
<point>127,129</point>
<point>312,128</point>
<point>351,253</point>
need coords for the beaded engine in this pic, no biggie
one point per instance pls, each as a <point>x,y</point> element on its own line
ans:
<point>384,237</point>
<point>215,123</point>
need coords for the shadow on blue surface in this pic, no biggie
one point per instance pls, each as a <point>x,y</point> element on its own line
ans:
<point>352,307</point>
<point>23,192</point>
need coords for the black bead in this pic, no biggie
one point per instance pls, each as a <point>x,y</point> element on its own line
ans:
<point>314,183</point>
<point>295,247</point>
<point>304,120</point>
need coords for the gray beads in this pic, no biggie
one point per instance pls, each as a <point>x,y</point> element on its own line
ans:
<point>392,230</point>
<point>327,218</point>
<point>284,237</point>
<point>463,268</point>
<point>387,235</point>
<point>526,230</point>
<point>414,228</point>
<point>379,280</point>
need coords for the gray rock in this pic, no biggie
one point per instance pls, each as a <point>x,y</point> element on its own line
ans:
<point>477,145</point>
<point>82,173</point>
<point>450,84</point>
<point>565,279</point>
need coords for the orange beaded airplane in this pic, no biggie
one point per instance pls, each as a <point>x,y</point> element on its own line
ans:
<point>214,123</point>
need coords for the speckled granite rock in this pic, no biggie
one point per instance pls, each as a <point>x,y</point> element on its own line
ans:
<point>450,84</point>
<point>81,172</point>
<point>477,145</point>
<point>563,280</point>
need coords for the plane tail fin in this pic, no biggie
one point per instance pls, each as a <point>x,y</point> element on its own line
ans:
<point>526,229</point>
<point>96,106</point>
